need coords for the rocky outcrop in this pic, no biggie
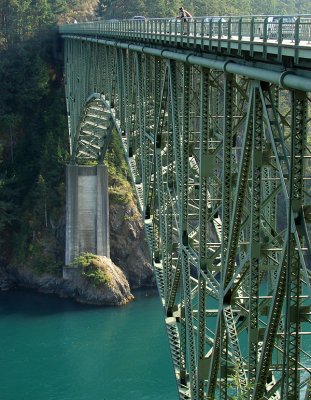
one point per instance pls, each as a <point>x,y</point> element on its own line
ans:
<point>129,267</point>
<point>128,246</point>
<point>116,292</point>
<point>6,281</point>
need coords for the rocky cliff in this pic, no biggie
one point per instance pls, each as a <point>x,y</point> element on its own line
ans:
<point>78,285</point>
<point>128,244</point>
<point>129,267</point>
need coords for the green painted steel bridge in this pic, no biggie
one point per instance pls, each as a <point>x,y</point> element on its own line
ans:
<point>215,122</point>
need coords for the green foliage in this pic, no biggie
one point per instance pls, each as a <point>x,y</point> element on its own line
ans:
<point>164,8</point>
<point>21,20</point>
<point>83,260</point>
<point>122,9</point>
<point>96,276</point>
<point>33,149</point>
<point>7,206</point>
<point>115,155</point>
<point>47,266</point>
<point>39,254</point>
<point>91,269</point>
<point>120,194</point>
<point>233,386</point>
<point>120,190</point>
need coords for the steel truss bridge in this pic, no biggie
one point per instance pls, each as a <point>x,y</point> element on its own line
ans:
<point>216,129</point>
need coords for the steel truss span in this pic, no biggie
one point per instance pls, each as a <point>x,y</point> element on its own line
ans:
<point>221,167</point>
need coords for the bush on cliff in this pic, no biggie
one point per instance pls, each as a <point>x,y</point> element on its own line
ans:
<point>120,189</point>
<point>92,269</point>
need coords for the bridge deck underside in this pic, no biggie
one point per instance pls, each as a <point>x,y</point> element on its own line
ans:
<point>221,167</point>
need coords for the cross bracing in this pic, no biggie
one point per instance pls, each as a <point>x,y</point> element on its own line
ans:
<point>220,159</point>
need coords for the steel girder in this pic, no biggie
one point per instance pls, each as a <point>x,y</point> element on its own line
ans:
<point>221,167</point>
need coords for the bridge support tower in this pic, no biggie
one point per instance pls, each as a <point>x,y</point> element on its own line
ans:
<point>87,211</point>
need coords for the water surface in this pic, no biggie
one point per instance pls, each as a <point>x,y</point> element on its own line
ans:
<point>53,348</point>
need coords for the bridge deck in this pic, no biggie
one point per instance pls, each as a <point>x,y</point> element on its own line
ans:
<point>234,36</point>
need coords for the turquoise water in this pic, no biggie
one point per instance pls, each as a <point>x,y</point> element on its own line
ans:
<point>53,348</point>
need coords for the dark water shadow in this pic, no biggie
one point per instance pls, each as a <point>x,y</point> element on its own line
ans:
<point>28,301</point>
<point>25,301</point>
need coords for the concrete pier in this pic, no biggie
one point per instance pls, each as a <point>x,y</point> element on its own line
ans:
<point>87,211</point>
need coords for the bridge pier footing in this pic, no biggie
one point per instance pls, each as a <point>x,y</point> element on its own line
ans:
<point>87,211</point>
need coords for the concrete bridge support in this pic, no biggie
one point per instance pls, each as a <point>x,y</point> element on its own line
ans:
<point>87,211</point>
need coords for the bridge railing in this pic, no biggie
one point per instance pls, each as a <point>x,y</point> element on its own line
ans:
<point>275,29</point>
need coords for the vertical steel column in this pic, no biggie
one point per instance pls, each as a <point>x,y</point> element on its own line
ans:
<point>111,74</point>
<point>68,85</point>
<point>183,234</point>
<point>255,238</point>
<point>120,108</point>
<point>131,132</point>
<point>290,388</point>
<point>279,291</point>
<point>226,195</point>
<point>203,226</point>
<point>158,145</point>
<point>155,94</point>
<point>106,72</point>
<point>141,121</point>
<point>178,174</point>
<point>126,123</point>
<point>152,195</point>
<point>235,227</point>
<point>169,209</point>
<point>92,68</point>
<point>149,129</point>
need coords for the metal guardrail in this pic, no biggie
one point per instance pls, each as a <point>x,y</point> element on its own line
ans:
<point>261,29</point>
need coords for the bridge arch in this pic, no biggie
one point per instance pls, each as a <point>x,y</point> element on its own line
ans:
<point>92,137</point>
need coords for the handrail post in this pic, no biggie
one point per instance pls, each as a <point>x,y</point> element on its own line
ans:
<point>280,38</point>
<point>240,35</point>
<point>296,38</point>
<point>229,35</point>
<point>251,37</point>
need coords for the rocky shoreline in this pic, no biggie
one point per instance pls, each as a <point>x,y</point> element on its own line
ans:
<point>129,266</point>
<point>116,293</point>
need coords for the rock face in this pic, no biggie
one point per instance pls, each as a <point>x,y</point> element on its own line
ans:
<point>129,267</point>
<point>116,292</point>
<point>128,246</point>
<point>6,282</point>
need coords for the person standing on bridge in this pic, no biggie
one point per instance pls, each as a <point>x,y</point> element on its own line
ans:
<point>184,16</point>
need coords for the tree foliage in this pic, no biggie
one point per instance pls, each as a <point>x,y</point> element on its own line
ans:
<point>163,8</point>
<point>33,146</point>
<point>92,269</point>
